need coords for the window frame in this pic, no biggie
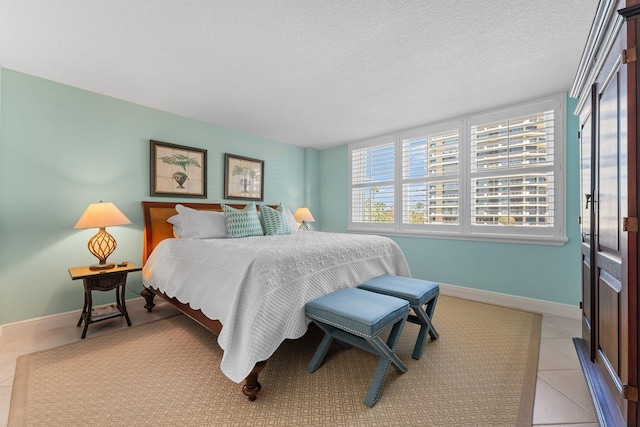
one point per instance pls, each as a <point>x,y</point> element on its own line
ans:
<point>464,229</point>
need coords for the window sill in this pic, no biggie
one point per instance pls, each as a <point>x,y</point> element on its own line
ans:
<point>479,237</point>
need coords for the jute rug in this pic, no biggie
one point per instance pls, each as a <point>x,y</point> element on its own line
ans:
<point>480,372</point>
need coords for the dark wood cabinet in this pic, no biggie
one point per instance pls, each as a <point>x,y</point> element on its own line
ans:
<point>607,88</point>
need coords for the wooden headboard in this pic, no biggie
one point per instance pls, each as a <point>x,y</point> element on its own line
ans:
<point>156,227</point>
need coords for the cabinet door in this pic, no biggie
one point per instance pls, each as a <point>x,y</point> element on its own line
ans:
<point>587,181</point>
<point>610,287</point>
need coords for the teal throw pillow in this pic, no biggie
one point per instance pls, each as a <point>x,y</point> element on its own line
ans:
<point>275,221</point>
<point>243,222</point>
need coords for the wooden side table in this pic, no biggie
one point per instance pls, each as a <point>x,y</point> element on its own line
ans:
<point>103,280</point>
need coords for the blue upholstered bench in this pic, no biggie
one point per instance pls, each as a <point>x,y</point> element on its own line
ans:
<point>419,293</point>
<point>357,318</point>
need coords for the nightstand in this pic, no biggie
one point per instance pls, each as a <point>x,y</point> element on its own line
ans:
<point>103,280</point>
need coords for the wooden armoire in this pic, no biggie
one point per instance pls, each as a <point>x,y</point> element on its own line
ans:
<point>607,88</point>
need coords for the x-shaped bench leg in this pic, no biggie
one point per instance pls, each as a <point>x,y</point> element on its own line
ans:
<point>423,318</point>
<point>387,357</point>
<point>375,345</point>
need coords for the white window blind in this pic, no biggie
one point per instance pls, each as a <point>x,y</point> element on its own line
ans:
<point>512,170</point>
<point>372,189</point>
<point>430,183</point>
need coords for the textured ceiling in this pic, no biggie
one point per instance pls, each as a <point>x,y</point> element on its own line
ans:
<point>312,73</point>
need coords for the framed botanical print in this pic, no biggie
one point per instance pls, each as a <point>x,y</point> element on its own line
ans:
<point>243,178</point>
<point>177,170</point>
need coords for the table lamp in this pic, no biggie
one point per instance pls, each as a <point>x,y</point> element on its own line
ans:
<point>304,215</point>
<point>101,215</point>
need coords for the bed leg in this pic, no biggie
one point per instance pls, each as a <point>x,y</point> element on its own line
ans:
<point>148,296</point>
<point>251,385</point>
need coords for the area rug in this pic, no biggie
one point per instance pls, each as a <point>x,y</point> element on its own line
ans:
<point>480,372</point>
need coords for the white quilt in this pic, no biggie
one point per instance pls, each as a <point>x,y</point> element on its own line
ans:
<point>257,286</point>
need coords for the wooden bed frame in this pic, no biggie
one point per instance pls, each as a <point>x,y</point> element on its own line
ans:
<point>156,229</point>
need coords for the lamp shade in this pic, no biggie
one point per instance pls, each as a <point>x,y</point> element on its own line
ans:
<point>100,215</point>
<point>303,214</point>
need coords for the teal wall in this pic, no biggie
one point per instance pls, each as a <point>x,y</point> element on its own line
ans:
<point>62,148</point>
<point>312,185</point>
<point>334,188</point>
<point>550,273</point>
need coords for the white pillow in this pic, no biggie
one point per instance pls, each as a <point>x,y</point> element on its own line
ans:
<point>292,221</point>
<point>194,224</point>
<point>176,220</point>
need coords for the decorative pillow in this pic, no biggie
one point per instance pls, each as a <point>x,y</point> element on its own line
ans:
<point>275,221</point>
<point>194,224</point>
<point>243,222</point>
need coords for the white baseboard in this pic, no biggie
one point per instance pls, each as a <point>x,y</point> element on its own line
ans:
<point>45,323</point>
<point>511,301</point>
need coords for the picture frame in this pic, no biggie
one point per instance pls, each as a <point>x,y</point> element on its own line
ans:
<point>177,170</point>
<point>243,178</point>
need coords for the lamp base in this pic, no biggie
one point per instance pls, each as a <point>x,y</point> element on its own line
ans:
<point>101,246</point>
<point>96,267</point>
<point>304,227</point>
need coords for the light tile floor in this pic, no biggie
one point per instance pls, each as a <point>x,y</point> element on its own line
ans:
<point>562,397</point>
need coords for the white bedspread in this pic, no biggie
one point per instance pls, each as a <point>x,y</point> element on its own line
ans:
<point>257,286</point>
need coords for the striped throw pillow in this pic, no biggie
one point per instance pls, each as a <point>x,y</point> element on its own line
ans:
<point>275,221</point>
<point>242,222</point>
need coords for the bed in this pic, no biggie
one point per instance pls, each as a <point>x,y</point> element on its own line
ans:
<point>255,286</point>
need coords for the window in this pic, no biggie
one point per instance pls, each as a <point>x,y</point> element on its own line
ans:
<point>372,183</point>
<point>496,176</point>
<point>430,184</point>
